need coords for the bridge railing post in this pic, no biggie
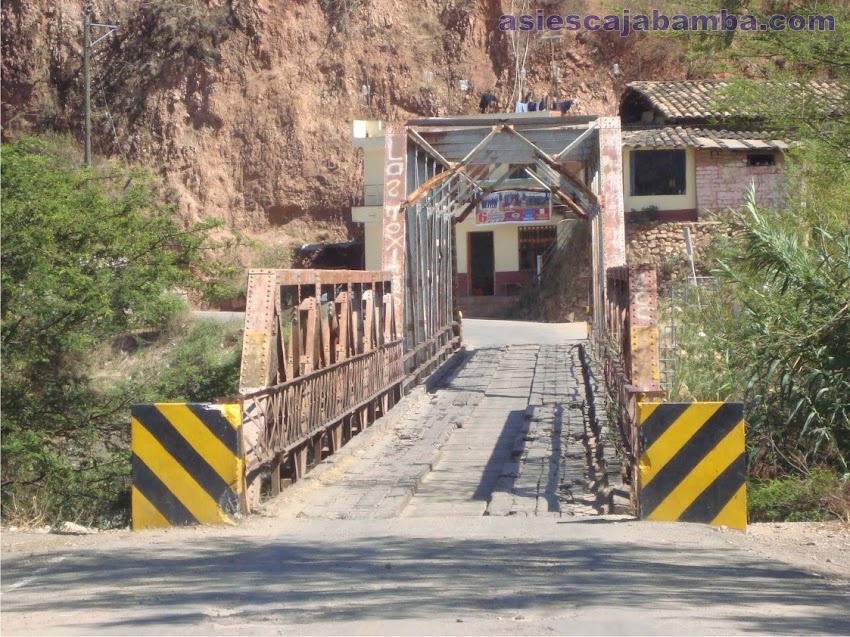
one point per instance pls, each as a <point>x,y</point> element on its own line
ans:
<point>630,350</point>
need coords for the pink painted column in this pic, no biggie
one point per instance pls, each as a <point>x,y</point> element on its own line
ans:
<point>611,195</point>
<point>395,192</point>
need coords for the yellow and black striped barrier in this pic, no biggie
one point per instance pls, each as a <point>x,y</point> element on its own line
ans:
<point>693,466</point>
<point>188,465</point>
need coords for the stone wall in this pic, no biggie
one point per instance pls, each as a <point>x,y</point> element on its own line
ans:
<point>723,178</point>
<point>663,244</point>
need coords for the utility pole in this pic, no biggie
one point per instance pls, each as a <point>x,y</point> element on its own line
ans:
<point>87,45</point>
<point>555,69</point>
<point>87,82</point>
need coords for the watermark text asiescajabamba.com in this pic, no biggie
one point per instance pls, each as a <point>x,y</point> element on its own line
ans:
<point>629,22</point>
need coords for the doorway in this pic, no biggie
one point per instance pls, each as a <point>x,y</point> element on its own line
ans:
<point>482,264</point>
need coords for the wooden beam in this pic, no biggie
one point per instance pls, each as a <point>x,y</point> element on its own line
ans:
<point>572,205</point>
<point>500,119</point>
<point>417,194</point>
<point>558,192</point>
<point>493,132</point>
<point>416,137</point>
<point>531,174</point>
<point>435,181</point>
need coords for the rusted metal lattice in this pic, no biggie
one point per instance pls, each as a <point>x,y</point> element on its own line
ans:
<point>321,360</point>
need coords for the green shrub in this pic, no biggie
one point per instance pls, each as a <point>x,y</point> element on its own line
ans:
<point>704,368</point>
<point>273,256</point>
<point>88,256</point>
<point>775,335</point>
<point>203,366</point>
<point>816,497</point>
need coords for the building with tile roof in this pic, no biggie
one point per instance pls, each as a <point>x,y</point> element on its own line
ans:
<point>685,155</point>
<point>698,102</point>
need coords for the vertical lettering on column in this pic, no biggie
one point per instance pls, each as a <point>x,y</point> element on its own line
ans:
<point>395,192</point>
<point>611,183</point>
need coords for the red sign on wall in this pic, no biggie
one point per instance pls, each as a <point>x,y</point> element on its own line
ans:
<point>514,206</point>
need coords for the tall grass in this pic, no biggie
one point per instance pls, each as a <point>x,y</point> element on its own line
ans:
<point>777,335</point>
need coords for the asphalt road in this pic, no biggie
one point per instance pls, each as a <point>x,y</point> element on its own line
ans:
<point>410,576</point>
<point>223,317</point>
<point>491,333</point>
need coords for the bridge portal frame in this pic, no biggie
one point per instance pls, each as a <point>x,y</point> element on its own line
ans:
<point>314,377</point>
<point>441,168</point>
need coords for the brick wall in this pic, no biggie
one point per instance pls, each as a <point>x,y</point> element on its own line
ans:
<point>723,178</point>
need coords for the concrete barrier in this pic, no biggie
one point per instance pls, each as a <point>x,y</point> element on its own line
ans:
<point>188,465</point>
<point>693,465</point>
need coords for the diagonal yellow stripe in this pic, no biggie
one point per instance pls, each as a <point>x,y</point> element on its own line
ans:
<point>197,434</point>
<point>145,514</point>
<point>645,411</point>
<point>232,414</point>
<point>734,514</point>
<point>175,478</point>
<point>674,438</point>
<point>725,453</point>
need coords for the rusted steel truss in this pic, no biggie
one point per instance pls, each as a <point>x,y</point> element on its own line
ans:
<point>297,321</point>
<point>321,359</point>
<point>429,312</point>
<point>430,316</point>
<point>503,141</point>
<point>632,321</point>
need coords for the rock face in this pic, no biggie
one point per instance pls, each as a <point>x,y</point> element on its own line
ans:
<point>244,107</point>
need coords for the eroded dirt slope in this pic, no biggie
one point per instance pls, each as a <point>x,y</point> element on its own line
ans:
<point>244,106</point>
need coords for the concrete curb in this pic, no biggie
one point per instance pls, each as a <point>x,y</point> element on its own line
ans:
<point>599,460</point>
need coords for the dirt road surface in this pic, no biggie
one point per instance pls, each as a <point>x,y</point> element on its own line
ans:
<point>354,549</point>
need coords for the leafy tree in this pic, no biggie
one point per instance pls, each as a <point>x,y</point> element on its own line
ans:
<point>87,254</point>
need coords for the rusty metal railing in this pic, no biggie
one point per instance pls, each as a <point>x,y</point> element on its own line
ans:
<point>426,357</point>
<point>295,412</point>
<point>629,348</point>
<point>321,359</point>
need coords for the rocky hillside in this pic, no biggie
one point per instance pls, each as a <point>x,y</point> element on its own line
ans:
<point>244,106</point>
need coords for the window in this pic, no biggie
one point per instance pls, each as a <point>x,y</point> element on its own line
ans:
<point>658,172</point>
<point>534,241</point>
<point>761,159</point>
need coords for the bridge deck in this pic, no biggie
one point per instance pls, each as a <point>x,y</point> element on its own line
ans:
<point>505,433</point>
